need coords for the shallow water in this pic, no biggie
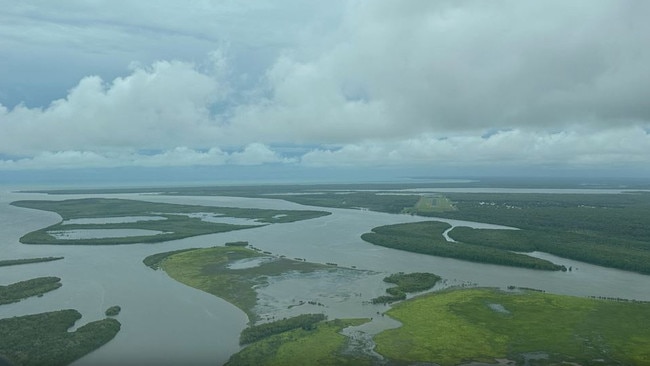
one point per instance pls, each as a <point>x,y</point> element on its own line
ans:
<point>112,220</point>
<point>166,322</point>
<point>78,234</point>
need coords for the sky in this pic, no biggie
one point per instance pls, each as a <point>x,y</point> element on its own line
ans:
<point>390,87</point>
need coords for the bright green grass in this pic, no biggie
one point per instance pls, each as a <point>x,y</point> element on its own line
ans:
<point>321,346</point>
<point>430,204</point>
<point>176,225</point>
<point>207,270</point>
<point>459,326</point>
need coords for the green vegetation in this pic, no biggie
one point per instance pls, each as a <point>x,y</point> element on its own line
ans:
<point>365,200</point>
<point>430,204</point>
<point>483,324</point>
<point>426,238</point>
<point>178,222</point>
<point>257,332</point>
<point>44,339</point>
<point>24,289</point>
<point>237,244</point>
<point>321,345</point>
<point>610,230</point>
<point>406,283</point>
<point>208,270</point>
<point>13,262</point>
<point>113,310</point>
<point>153,261</point>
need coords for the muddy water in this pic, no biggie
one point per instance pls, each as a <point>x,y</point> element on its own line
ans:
<point>165,322</point>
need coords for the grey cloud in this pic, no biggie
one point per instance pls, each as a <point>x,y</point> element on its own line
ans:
<point>469,65</point>
<point>374,82</point>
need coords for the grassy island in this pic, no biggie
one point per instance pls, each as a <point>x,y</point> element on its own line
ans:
<point>209,270</point>
<point>44,339</point>
<point>460,326</point>
<point>24,289</point>
<point>166,221</point>
<point>427,238</point>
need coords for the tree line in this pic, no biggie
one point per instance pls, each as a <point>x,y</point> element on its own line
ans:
<point>257,332</point>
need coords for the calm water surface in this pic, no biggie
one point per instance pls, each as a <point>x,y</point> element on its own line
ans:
<point>166,322</point>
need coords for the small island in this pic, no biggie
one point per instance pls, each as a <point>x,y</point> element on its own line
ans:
<point>34,287</point>
<point>113,310</point>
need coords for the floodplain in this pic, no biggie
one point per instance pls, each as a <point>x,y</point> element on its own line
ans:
<point>320,264</point>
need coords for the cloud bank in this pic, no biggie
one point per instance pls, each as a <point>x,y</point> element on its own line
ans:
<point>421,83</point>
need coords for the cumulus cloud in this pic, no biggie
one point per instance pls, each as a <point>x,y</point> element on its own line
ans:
<point>388,82</point>
<point>161,106</point>
<point>426,67</point>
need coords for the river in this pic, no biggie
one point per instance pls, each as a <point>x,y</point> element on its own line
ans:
<point>165,322</point>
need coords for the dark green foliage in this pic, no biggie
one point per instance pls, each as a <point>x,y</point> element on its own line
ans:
<point>13,262</point>
<point>413,282</point>
<point>43,339</point>
<point>24,289</point>
<point>426,238</point>
<point>237,244</point>
<point>177,225</point>
<point>257,332</point>
<point>611,230</point>
<point>113,310</point>
<point>406,283</point>
<point>620,216</point>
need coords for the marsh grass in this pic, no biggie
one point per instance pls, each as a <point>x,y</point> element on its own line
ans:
<point>207,270</point>
<point>459,326</point>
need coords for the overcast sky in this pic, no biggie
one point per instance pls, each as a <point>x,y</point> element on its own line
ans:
<point>480,85</point>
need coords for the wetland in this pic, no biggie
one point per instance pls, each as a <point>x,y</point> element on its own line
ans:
<point>336,273</point>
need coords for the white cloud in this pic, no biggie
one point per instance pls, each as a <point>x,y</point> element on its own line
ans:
<point>384,82</point>
<point>162,106</point>
<point>256,154</point>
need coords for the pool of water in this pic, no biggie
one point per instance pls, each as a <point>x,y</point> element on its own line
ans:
<point>78,234</point>
<point>112,220</point>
